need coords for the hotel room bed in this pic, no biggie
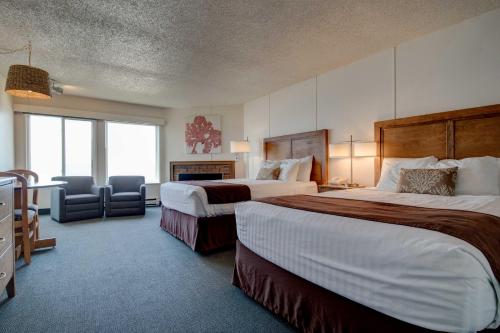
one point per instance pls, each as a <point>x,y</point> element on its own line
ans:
<point>347,270</point>
<point>446,282</point>
<point>192,199</point>
<point>189,215</point>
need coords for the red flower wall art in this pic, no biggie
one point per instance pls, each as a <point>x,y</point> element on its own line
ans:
<point>203,135</point>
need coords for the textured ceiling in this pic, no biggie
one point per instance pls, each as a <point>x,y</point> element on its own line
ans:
<point>202,52</point>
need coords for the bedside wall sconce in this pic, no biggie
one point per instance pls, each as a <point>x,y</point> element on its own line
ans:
<point>238,147</point>
<point>350,149</point>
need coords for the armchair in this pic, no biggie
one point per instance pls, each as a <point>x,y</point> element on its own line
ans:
<point>125,195</point>
<point>79,199</point>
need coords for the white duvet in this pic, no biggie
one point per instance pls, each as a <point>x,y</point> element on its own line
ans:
<point>420,276</point>
<point>192,200</point>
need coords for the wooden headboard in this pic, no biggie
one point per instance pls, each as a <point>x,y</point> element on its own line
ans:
<point>454,134</point>
<point>300,145</point>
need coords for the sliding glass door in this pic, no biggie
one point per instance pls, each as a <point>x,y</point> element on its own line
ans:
<point>78,144</point>
<point>132,149</point>
<point>60,146</point>
<point>45,146</point>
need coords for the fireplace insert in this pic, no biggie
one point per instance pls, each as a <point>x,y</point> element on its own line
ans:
<point>200,176</point>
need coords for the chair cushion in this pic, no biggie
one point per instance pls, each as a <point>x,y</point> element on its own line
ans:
<point>18,214</point>
<point>126,196</point>
<point>75,199</point>
<point>77,184</point>
<point>126,183</point>
<point>33,207</point>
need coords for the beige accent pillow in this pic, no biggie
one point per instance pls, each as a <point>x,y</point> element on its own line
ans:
<point>428,181</point>
<point>270,164</point>
<point>268,173</point>
<point>289,169</point>
<point>391,166</point>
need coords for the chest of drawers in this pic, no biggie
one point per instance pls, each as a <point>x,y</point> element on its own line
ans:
<point>7,262</point>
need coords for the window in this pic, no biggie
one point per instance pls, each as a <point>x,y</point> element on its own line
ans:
<point>45,146</point>
<point>60,146</point>
<point>132,149</point>
<point>78,147</point>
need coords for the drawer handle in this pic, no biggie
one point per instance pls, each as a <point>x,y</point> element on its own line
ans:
<point>2,204</point>
<point>3,275</point>
<point>2,239</point>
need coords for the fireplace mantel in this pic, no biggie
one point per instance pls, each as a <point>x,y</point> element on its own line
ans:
<point>224,167</point>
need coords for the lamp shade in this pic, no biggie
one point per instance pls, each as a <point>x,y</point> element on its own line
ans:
<point>28,82</point>
<point>365,149</point>
<point>340,150</point>
<point>240,147</point>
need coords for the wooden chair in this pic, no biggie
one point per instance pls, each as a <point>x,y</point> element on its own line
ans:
<point>31,176</point>
<point>24,219</point>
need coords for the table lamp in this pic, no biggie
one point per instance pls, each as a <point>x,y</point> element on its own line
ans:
<point>238,147</point>
<point>353,148</point>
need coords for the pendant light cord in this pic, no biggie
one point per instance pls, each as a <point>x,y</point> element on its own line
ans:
<point>26,47</point>
<point>29,53</point>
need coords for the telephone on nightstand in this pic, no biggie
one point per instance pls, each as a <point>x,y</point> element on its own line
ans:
<point>338,181</point>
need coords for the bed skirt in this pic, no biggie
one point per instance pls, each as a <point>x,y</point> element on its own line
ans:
<point>201,234</point>
<point>306,306</point>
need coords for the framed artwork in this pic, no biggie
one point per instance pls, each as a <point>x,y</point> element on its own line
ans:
<point>202,135</point>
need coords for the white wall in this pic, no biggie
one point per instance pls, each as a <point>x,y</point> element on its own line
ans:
<point>256,128</point>
<point>458,67</point>
<point>6,129</point>
<point>350,100</point>
<point>232,129</point>
<point>293,109</point>
<point>454,68</point>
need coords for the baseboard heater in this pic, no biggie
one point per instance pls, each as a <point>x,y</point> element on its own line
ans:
<point>152,202</point>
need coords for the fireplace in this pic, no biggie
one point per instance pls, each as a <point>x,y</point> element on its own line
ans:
<point>201,170</point>
<point>200,176</point>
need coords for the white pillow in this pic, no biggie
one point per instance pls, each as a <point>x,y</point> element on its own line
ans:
<point>305,168</point>
<point>289,170</point>
<point>389,176</point>
<point>476,175</point>
<point>268,164</point>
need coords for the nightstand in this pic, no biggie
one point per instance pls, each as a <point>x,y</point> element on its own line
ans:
<point>331,187</point>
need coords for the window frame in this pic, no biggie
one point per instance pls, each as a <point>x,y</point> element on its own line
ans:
<point>63,119</point>
<point>157,148</point>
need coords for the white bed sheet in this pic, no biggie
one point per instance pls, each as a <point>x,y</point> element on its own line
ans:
<point>192,200</point>
<point>420,276</point>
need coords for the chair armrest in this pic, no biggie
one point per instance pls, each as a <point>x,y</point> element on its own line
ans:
<point>108,190</point>
<point>142,189</point>
<point>60,192</point>
<point>97,190</point>
<point>57,206</point>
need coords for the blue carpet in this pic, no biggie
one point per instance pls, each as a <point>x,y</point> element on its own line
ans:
<point>128,275</point>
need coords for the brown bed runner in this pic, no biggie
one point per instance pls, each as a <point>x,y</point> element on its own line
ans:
<point>221,193</point>
<point>478,229</point>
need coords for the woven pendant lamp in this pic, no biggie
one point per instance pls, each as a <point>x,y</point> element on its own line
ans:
<point>27,81</point>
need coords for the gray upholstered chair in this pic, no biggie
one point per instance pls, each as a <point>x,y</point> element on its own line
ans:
<point>79,199</point>
<point>125,195</point>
